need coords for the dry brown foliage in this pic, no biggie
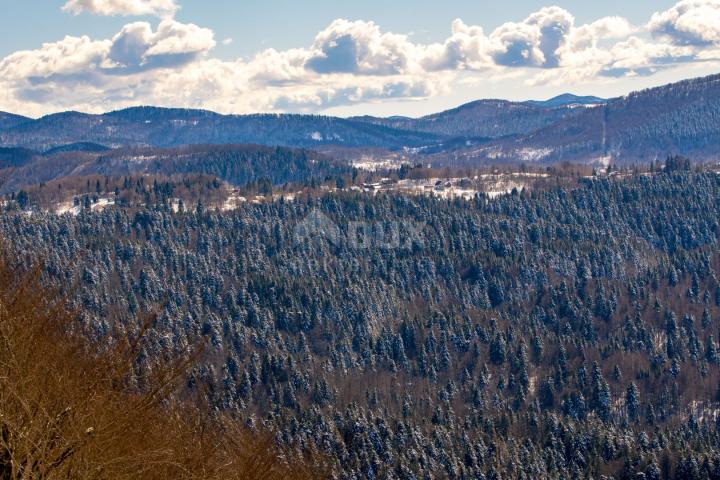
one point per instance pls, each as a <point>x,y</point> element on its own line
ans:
<point>69,412</point>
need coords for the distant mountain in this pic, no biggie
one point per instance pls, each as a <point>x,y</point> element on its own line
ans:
<point>9,120</point>
<point>567,99</point>
<point>161,127</point>
<point>482,118</point>
<point>681,118</point>
<point>164,127</point>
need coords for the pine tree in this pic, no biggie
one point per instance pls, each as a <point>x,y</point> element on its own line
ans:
<point>632,401</point>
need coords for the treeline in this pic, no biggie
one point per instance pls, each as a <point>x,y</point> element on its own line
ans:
<point>563,332</point>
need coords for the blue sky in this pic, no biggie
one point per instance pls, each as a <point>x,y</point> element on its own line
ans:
<point>342,57</point>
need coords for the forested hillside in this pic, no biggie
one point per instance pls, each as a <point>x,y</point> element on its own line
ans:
<point>565,333</point>
<point>484,119</point>
<point>8,120</point>
<point>682,118</point>
<point>165,127</point>
<point>236,164</point>
<point>15,157</point>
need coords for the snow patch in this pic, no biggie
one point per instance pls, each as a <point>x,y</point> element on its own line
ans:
<point>534,154</point>
<point>371,164</point>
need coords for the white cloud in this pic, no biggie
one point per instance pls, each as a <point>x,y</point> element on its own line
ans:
<point>169,67</point>
<point>359,47</point>
<point>280,68</point>
<point>590,35</point>
<point>466,48</point>
<point>348,90</point>
<point>689,22</point>
<point>613,48</point>
<point>349,62</point>
<point>135,47</point>
<point>159,8</point>
<point>640,57</point>
<point>174,43</point>
<point>70,55</point>
<point>78,71</point>
<point>534,42</point>
<point>174,38</point>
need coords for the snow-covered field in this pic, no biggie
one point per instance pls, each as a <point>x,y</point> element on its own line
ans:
<point>492,184</point>
<point>67,207</point>
<point>72,209</point>
<point>102,203</point>
<point>371,164</point>
<point>233,202</point>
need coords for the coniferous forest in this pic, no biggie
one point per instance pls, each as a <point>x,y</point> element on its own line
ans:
<point>567,332</point>
<point>360,240</point>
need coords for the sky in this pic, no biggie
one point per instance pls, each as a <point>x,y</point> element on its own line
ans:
<point>342,57</point>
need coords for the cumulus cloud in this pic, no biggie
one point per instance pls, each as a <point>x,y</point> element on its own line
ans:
<point>348,62</point>
<point>359,47</point>
<point>533,42</point>
<point>589,36</point>
<point>78,69</point>
<point>690,22</point>
<point>466,48</point>
<point>169,66</point>
<point>612,47</point>
<point>554,25</point>
<point>159,8</point>
<point>174,43</point>
<point>636,56</point>
<point>136,47</point>
<point>70,55</point>
<point>276,68</point>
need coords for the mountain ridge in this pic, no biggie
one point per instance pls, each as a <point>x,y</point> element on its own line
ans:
<point>647,125</point>
<point>8,120</point>
<point>643,126</point>
<point>160,127</point>
<point>568,99</point>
